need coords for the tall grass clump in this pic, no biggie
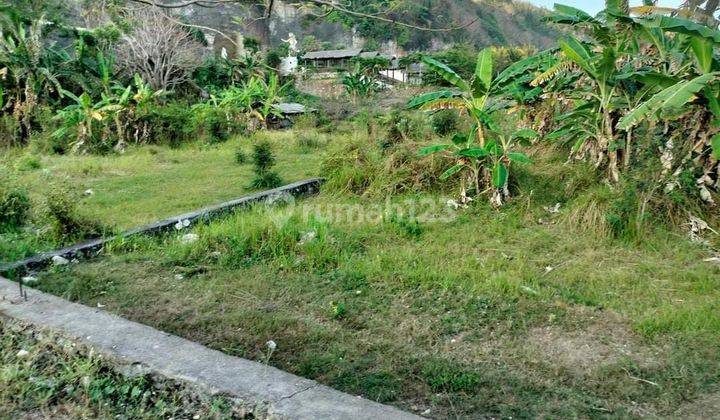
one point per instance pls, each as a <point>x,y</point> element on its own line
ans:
<point>63,215</point>
<point>14,205</point>
<point>261,234</point>
<point>356,165</point>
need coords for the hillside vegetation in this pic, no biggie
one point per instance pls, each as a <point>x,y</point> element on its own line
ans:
<point>495,23</point>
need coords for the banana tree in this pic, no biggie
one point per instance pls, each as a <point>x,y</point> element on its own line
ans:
<point>83,116</point>
<point>26,66</point>
<point>478,99</point>
<point>604,67</point>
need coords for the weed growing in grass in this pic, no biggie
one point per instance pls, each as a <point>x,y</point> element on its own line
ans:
<point>14,205</point>
<point>61,203</point>
<point>308,142</point>
<point>28,163</point>
<point>240,156</point>
<point>46,373</point>
<point>264,160</point>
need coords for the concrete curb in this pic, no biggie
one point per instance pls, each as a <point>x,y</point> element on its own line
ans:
<point>92,247</point>
<point>266,392</point>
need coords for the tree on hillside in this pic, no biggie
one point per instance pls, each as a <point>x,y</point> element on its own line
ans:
<point>159,49</point>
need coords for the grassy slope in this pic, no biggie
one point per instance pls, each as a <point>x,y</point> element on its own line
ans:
<point>504,313</point>
<point>150,183</point>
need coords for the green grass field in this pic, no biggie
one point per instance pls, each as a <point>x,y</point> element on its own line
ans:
<point>146,184</point>
<point>466,313</point>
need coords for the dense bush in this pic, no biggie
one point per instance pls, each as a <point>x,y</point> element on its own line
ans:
<point>14,205</point>
<point>67,223</point>
<point>402,127</point>
<point>445,122</point>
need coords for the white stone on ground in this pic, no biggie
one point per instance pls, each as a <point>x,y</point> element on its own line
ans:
<point>29,280</point>
<point>58,260</point>
<point>189,238</point>
<point>307,237</point>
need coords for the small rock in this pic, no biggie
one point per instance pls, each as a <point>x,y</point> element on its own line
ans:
<point>216,254</point>
<point>89,192</point>
<point>426,412</point>
<point>271,345</point>
<point>23,353</point>
<point>549,268</point>
<point>100,305</point>
<point>58,260</point>
<point>553,209</point>
<point>307,237</point>
<point>29,280</point>
<point>189,238</point>
<point>181,224</point>
<point>179,277</point>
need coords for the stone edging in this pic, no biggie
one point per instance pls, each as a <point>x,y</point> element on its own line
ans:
<point>264,391</point>
<point>93,247</point>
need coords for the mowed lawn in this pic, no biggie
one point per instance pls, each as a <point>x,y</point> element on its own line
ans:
<point>153,182</point>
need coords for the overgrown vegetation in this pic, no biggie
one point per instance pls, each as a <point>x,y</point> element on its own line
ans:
<point>114,85</point>
<point>535,236</point>
<point>50,376</point>
<point>640,78</point>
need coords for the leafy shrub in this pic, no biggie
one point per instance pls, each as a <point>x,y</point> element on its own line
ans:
<point>264,160</point>
<point>170,124</point>
<point>27,163</point>
<point>445,122</point>
<point>266,180</point>
<point>9,131</point>
<point>14,205</point>
<point>214,73</point>
<point>62,212</point>
<point>402,127</point>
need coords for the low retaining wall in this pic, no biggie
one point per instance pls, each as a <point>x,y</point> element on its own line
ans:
<point>92,247</point>
<point>264,391</point>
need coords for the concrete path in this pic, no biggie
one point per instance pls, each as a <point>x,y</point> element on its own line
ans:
<point>265,391</point>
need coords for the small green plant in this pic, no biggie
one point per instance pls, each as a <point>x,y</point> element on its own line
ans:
<point>240,156</point>
<point>408,226</point>
<point>27,163</point>
<point>14,206</point>
<point>338,310</point>
<point>264,160</point>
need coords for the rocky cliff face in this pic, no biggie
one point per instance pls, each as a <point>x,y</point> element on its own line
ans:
<point>495,23</point>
